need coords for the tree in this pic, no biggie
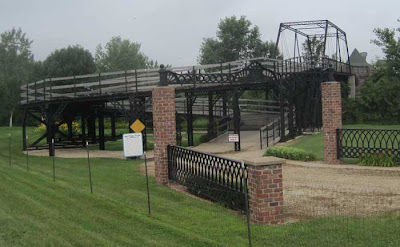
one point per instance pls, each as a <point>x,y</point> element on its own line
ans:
<point>236,39</point>
<point>313,50</point>
<point>73,60</point>
<point>379,99</point>
<point>120,54</point>
<point>16,62</point>
<point>390,44</point>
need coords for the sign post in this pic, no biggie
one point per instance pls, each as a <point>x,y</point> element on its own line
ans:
<point>90,171</point>
<point>147,183</point>
<point>133,147</point>
<point>235,139</point>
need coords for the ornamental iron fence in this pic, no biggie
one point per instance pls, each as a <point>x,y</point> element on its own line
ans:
<point>352,143</point>
<point>209,176</point>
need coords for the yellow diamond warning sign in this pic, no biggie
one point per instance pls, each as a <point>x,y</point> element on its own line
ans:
<point>137,126</point>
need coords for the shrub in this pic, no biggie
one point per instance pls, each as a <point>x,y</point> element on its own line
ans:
<point>204,138</point>
<point>379,159</point>
<point>290,153</point>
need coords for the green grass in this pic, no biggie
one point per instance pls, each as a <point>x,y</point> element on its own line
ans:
<point>314,143</point>
<point>35,211</point>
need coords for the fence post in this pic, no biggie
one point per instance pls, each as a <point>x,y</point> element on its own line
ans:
<point>265,189</point>
<point>331,119</point>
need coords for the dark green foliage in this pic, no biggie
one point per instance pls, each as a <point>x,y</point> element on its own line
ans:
<point>390,44</point>
<point>380,95</point>
<point>119,54</point>
<point>16,65</point>
<point>236,39</point>
<point>73,60</point>
<point>204,138</point>
<point>313,49</point>
<point>290,153</point>
<point>379,159</point>
<point>379,102</point>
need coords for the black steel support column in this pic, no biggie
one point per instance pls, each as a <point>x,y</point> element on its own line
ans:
<point>92,128</point>
<point>210,116</point>
<point>291,100</point>
<point>137,110</point>
<point>282,112</point>
<point>70,131</point>
<point>113,133</point>
<point>236,118</point>
<point>224,104</point>
<point>142,118</point>
<point>266,97</point>
<point>132,111</point>
<point>189,118</point>
<point>83,128</point>
<point>291,120</point>
<point>102,145</point>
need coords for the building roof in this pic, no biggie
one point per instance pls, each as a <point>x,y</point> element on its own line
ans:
<point>358,59</point>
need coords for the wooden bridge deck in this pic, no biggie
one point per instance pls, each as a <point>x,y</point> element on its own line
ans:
<point>143,81</point>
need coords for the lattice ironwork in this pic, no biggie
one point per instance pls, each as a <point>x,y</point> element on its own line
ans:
<point>254,72</point>
<point>216,178</point>
<point>352,143</point>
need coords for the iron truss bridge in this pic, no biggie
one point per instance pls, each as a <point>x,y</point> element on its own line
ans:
<point>292,84</point>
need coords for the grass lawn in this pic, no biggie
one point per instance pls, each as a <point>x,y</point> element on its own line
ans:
<point>314,143</point>
<point>35,211</point>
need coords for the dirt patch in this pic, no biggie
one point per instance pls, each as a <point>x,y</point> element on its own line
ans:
<point>317,191</point>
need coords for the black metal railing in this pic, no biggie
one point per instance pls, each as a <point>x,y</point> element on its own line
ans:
<point>352,143</point>
<point>210,176</point>
<point>220,126</point>
<point>270,133</point>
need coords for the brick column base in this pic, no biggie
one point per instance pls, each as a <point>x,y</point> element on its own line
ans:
<point>264,181</point>
<point>164,125</point>
<point>331,119</point>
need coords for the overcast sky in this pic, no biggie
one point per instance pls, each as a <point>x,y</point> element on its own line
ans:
<point>171,31</point>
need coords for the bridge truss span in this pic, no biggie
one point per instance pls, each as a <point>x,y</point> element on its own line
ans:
<point>289,88</point>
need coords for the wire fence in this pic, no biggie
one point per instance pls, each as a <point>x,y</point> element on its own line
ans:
<point>317,212</point>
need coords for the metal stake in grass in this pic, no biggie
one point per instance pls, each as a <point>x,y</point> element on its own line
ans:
<point>27,155</point>
<point>247,209</point>
<point>9,146</point>
<point>90,172</point>
<point>147,183</point>
<point>54,169</point>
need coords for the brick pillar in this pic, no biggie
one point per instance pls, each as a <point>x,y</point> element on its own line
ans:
<point>331,119</point>
<point>164,125</point>
<point>264,181</point>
